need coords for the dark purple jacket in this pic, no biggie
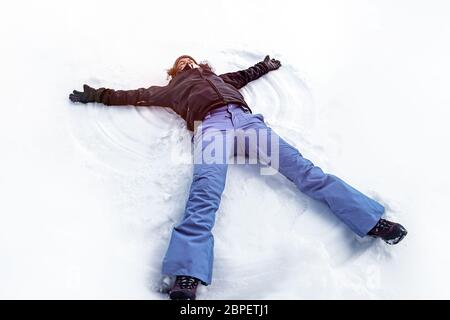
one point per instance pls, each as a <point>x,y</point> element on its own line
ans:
<point>191,94</point>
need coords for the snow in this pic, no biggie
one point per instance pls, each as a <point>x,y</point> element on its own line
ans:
<point>90,193</point>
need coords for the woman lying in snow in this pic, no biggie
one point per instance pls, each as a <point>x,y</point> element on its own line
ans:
<point>214,108</point>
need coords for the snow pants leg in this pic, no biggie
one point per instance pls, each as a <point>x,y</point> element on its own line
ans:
<point>190,249</point>
<point>359,212</point>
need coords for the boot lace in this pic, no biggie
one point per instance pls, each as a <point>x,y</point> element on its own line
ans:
<point>186,282</point>
<point>382,226</point>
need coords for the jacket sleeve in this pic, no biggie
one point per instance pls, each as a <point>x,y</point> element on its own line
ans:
<point>152,96</point>
<point>240,78</point>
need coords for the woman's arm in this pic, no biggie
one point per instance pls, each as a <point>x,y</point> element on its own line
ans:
<point>240,78</point>
<point>153,96</point>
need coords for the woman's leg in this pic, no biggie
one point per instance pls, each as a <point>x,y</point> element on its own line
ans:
<point>190,250</point>
<point>359,212</point>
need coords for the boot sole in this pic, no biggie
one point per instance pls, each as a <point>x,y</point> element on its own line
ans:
<point>398,239</point>
<point>179,295</point>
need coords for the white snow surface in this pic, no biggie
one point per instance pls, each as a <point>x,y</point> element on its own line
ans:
<point>89,193</point>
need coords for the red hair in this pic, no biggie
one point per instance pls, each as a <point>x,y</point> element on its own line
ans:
<point>172,72</point>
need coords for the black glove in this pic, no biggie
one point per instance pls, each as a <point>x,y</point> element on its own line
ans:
<point>271,64</point>
<point>88,95</point>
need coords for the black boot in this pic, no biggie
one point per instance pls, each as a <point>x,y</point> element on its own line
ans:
<point>185,288</point>
<point>390,232</point>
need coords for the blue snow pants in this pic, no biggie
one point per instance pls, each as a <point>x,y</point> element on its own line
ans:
<point>190,250</point>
